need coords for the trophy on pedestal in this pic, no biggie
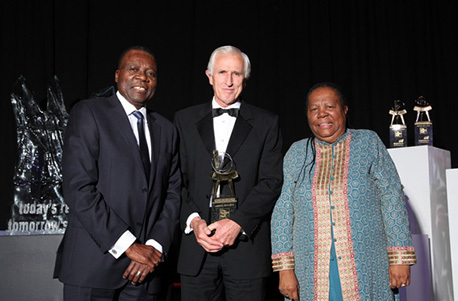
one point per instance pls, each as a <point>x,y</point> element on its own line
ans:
<point>423,123</point>
<point>223,172</point>
<point>398,128</point>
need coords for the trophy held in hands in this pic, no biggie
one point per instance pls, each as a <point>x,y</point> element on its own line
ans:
<point>223,172</point>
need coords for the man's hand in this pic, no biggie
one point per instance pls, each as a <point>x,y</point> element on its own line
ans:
<point>144,254</point>
<point>136,272</point>
<point>226,231</point>
<point>203,236</point>
<point>399,276</point>
<point>288,284</point>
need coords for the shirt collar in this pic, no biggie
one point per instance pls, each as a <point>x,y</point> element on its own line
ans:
<point>235,105</point>
<point>342,137</point>
<point>127,106</point>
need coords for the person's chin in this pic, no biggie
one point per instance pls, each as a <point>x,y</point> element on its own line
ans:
<point>324,136</point>
<point>228,101</point>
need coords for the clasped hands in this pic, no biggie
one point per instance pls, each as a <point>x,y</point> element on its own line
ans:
<point>214,237</point>
<point>144,260</point>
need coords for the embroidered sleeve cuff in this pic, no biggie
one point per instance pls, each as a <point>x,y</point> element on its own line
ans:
<point>283,261</point>
<point>402,256</point>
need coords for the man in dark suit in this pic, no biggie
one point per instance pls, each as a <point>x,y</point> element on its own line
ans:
<point>122,184</point>
<point>228,259</point>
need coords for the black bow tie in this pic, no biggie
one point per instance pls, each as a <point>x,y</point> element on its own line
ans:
<point>219,111</point>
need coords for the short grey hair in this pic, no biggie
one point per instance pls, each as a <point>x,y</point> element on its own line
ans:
<point>229,50</point>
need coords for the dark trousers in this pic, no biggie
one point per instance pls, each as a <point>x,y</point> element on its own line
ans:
<point>128,292</point>
<point>214,283</point>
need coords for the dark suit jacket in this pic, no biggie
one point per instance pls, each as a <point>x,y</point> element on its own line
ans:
<point>255,146</point>
<point>106,189</point>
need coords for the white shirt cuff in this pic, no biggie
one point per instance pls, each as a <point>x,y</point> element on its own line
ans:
<point>188,222</point>
<point>154,244</point>
<point>122,244</point>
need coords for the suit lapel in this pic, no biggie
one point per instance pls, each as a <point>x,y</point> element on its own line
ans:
<point>155,135</point>
<point>241,130</point>
<point>124,128</point>
<point>205,129</point>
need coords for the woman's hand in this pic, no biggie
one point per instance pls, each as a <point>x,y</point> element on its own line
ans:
<point>399,276</point>
<point>288,285</point>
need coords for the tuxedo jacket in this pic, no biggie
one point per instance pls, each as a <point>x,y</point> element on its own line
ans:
<point>255,147</point>
<point>106,188</point>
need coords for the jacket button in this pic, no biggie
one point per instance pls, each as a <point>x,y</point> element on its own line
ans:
<point>144,189</point>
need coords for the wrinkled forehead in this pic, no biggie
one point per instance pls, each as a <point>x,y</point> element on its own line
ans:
<point>229,61</point>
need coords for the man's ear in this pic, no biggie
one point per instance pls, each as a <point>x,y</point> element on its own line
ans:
<point>210,78</point>
<point>116,76</point>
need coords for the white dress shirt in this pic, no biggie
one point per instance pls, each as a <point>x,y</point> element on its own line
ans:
<point>222,126</point>
<point>127,238</point>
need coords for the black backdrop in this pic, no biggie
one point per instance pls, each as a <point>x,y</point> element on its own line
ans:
<point>378,51</point>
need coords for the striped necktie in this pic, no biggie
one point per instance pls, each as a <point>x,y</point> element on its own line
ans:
<point>143,145</point>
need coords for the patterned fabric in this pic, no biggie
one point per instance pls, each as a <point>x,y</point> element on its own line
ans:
<point>401,255</point>
<point>284,261</point>
<point>353,187</point>
<point>330,200</point>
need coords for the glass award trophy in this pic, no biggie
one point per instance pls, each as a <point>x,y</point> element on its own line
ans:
<point>423,123</point>
<point>398,128</point>
<point>39,206</point>
<point>223,173</point>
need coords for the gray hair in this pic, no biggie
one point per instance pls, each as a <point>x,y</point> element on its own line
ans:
<point>229,50</point>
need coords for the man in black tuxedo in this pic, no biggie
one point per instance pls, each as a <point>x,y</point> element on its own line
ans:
<point>122,184</point>
<point>228,259</point>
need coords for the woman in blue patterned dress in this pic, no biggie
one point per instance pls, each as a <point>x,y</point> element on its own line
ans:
<point>340,229</point>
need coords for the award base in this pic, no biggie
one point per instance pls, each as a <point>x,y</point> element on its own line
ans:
<point>398,135</point>
<point>424,133</point>
<point>222,208</point>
